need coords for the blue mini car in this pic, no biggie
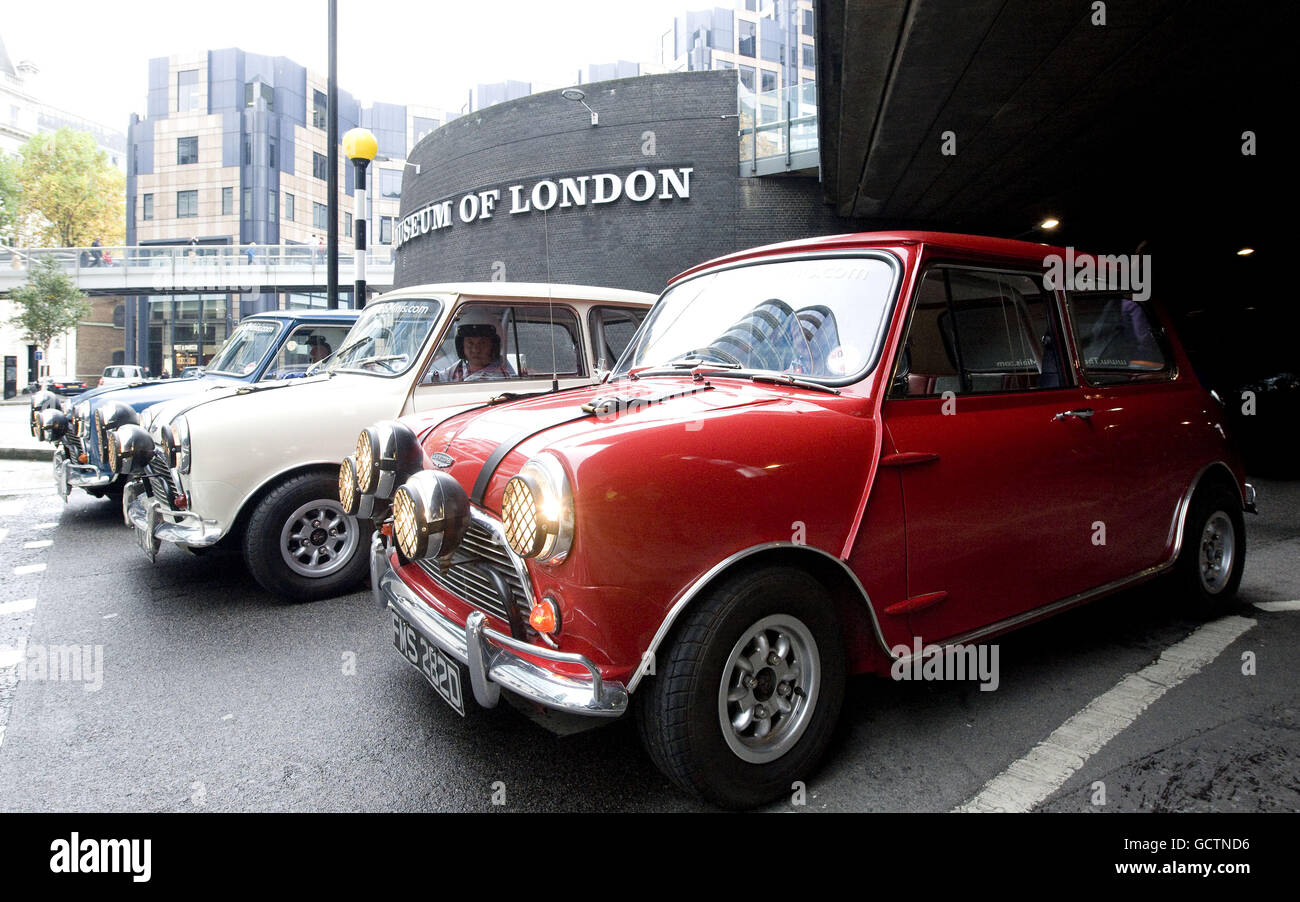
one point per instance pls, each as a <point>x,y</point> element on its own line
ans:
<point>265,346</point>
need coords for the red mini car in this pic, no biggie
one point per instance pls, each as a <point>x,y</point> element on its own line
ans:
<point>815,459</point>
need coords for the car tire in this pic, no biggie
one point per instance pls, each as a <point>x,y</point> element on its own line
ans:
<point>680,712</point>
<point>1210,563</point>
<point>300,544</point>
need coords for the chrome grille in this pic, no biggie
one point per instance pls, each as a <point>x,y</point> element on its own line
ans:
<point>72,447</point>
<point>160,479</point>
<point>481,548</point>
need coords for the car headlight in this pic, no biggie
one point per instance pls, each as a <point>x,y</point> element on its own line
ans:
<point>53,424</point>
<point>348,494</point>
<point>42,401</point>
<point>130,449</point>
<point>387,454</point>
<point>111,416</point>
<point>176,443</point>
<point>430,515</point>
<point>537,510</point>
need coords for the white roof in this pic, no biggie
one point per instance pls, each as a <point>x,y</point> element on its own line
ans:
<point>524,290</point>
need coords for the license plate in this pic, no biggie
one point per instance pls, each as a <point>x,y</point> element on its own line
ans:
<point>444,674</point>
<point>144,535</point>
<point>61,480</point>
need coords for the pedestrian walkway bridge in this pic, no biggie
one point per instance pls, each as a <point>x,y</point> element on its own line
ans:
<point>195,270</point>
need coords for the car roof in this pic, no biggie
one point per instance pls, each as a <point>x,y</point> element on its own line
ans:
<point>1007,248</point>
<point>306,314</point>
<point>523,290</point>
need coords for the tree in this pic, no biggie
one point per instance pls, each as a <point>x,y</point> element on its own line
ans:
<point>10,200</point>
<point>48,305</point>
<point>72,194</point>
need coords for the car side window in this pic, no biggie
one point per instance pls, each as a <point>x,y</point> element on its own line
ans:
<point>979,332</point>
<point>306,345</point>
<point>1119,340</point>
<point>498,342</point>
<point>612,329</point>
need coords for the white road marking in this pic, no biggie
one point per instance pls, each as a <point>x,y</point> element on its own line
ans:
<point>45,526</point>
<point>4,534</point>
<point>1274,606</point>
<point>229,717</point>
<point>10,656</point>
<point>28,568</point>
<point>40,543</point>
<point>1054,760</point>
<point>109,616</point>
<point>20,606</point>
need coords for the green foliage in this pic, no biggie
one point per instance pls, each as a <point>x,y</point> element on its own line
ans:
<point>71,193</point>
<point>49,304</point>
<point>10,199</point>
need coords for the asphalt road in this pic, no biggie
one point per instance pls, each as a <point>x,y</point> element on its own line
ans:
<point>214,696</point>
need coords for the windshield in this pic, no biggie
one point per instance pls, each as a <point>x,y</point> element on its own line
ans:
<point>246,348</point>
<point>386,340</point>
<point>819,318</point>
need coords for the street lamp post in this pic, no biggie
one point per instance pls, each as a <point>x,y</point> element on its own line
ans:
<point>361,147</point>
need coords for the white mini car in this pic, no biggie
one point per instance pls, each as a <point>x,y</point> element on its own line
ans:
<point>257,466</point>
<point>122,375</point>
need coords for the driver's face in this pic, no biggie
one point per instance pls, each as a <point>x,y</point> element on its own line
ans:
<point>478,351</point>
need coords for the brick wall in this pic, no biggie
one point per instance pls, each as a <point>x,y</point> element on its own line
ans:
<point>653,122</point>
<point>98,338</point>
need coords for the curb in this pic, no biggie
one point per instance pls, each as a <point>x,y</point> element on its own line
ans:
<point>44,455</point>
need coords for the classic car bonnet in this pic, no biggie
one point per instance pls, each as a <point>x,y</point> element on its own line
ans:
<point>484,444</point>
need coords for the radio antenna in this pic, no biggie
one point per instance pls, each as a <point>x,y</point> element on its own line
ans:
<point>550,309</point>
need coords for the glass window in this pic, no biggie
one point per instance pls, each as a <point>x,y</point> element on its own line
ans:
<point>187,204</point>
<point>319,110</point>
<point>272,153</point>
<point>272,204</point>
<point>819,319</point>
<point>320,166</point>
<point>1119,339</point>
<point>320,216</point>
<point>769,81</point>
<point>390,183</point>
<point>306,345</point>
<point>385,230</point>
<point>146,206</point>
<point>723,64</point>
<point>747,77</point>
<point>388,337</point>
<point>975,332</point>
<point>187,151</point>
<point>255,91</point>
<point>612,329</point>
<point>747,33</point>
<point>422,126</point>
<point>288,207</point>
<point>494,342</point>
<point>347,225</point>
<point>187,90</point>
<point>809,56</point>
<point>248,151</point>
<point>808,22</point>
<point>227,201</point>
<point>246,348</point>
<point>248,203</point>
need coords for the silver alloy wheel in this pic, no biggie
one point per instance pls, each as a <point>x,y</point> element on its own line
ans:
<point>318,539</point>
<point>1218,552</point>
<point>769,688</point>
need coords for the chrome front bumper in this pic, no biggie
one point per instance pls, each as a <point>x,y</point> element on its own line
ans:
<point>492,661</point>
<point>1248,500</point>
<point>146,513</point>
<point>82,476</point>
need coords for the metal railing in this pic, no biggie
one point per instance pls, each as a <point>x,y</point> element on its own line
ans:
<point>142,269</point>
<point>778,129</point>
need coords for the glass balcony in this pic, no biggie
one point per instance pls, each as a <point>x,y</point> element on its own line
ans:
<point>778,130</point>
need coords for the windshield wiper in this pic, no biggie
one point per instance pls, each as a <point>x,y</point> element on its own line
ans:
<point>692,359</point>
<point>380,358</point>
<point>786,379</point>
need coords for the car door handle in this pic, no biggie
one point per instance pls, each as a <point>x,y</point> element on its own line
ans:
<point>1082,413</point>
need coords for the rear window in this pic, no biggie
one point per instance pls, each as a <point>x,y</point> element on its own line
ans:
<point>1119,339</point>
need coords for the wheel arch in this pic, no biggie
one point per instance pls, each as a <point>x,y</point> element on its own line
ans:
<point>864,643</point>
<point>1216,473</point>
<point>268,485</point>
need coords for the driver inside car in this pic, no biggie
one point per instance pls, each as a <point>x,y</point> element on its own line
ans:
<point>478,347</point>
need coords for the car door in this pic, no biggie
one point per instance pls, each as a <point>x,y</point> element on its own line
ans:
<point>1002,472</point>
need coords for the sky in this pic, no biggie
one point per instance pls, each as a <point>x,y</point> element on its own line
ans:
<point>93,56</point>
